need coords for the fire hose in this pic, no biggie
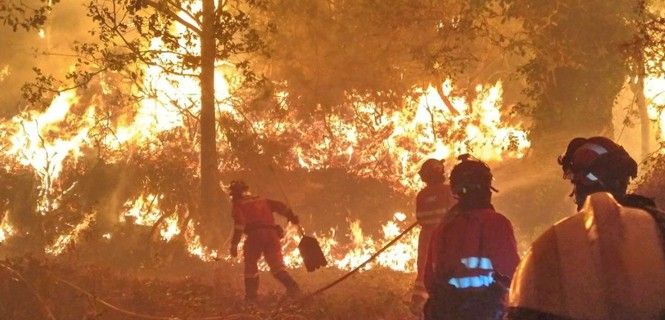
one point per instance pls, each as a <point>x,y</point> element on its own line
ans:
<point>153,317</point>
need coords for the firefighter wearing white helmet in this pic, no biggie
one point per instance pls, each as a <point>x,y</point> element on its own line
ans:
<point>605,262</point>
<point>432,203</point>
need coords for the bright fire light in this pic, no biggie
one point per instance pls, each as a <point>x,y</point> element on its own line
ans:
<point>383,145</point>
<point>654,92</point>
<point>6,229</point>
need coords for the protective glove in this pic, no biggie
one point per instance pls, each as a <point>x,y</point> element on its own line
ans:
<point>233,251</point>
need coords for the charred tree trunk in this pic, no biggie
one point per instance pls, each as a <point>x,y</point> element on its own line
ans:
<point>207,207</point>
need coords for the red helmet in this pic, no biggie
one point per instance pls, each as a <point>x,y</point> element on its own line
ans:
<point>432,170</point>
<point>596,160</point>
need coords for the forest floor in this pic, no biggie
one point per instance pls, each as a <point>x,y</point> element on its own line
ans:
<point>33,289</point>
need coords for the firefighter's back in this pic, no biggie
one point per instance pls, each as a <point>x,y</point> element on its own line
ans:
<point>606,262</point>
<point>255,212</point>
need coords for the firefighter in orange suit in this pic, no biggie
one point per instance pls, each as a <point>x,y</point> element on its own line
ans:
<point>253,216</point>
<point>432,203</point>
<point>473,252</point>
<point>605,262</point>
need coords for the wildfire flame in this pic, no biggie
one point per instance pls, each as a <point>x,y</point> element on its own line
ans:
<point>424,127</point>
<point>654,92</point>
<point>6,230</point>
<point>64,240</point>
<point>33,144</point>
<point>347,255</point>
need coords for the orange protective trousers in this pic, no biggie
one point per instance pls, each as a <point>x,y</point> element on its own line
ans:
<point>266,242</point>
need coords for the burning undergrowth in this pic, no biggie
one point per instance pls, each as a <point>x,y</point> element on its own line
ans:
<point>95,162</point>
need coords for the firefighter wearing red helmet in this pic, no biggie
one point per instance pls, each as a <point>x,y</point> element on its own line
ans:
<point>432,203</point>
<point>473,252</point>
<point>253,216</point>
<point>605,262</point>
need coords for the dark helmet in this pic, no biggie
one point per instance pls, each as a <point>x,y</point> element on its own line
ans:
<point>470,174</point>
<point>597,161</point>
<point>237,188</point>
<point>432,170</point>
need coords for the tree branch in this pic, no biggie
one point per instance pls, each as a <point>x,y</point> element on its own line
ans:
<point>163,8</point>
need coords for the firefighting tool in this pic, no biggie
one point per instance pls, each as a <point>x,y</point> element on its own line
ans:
<point>309,248</point>
<point>310,251</point>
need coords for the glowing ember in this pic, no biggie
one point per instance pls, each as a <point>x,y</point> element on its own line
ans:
<point>65,240</point>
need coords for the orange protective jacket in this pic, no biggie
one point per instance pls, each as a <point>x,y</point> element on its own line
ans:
<point>471,249</point>
<point>605,262</point>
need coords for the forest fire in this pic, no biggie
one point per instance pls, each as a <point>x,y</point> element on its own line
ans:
<point>201,159</point>
<point>346,255</point>
<point>37,142</point>
<point>43,141</point>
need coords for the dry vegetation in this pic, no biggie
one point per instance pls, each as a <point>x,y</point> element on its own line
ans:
<point>200,291</point>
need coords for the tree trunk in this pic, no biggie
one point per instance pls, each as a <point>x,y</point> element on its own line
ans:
<point>209,186</point>
<point>638,88</point>
<point>643,112</point>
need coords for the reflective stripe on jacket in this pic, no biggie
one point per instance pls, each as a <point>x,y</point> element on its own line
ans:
<point>470,250</point>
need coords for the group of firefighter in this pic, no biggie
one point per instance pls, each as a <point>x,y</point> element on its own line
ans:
<point>607,261</point>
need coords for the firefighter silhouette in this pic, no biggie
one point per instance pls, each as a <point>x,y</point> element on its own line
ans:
<point>432,203</point>
<point>605,262</point>
<point>253,216</point>
<point>473,252</point>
